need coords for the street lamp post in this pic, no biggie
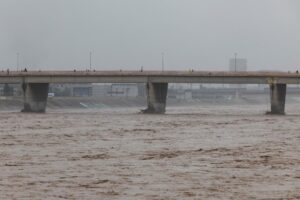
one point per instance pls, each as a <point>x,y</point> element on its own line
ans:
<point>90,61</point>
<point>235,55</point>
<point>162,61</point>
<point>18,55</point>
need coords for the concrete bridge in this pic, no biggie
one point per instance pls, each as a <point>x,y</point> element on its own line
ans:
<point>35,84</point>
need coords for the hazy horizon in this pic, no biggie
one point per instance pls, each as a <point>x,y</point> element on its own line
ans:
<point>198,34</point>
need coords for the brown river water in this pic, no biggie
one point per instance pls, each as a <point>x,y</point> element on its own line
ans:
<point>204,152</point>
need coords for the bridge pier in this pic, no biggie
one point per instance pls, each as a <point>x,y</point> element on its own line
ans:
<point>278,94</point>
<point>156,98</point>
<point>35,97</point>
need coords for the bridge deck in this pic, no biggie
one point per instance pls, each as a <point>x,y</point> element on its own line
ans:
<point>221,77</point>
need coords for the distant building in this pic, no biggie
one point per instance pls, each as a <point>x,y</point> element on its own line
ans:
<point>100,90</point>
<point>76,90</point>
<point>10,90</point>
<point>97,90</point>
<point>82,91</point>
<point>142,90</point>
<point>238,64</point>
<point>184,94</point>
<point>127,90</point>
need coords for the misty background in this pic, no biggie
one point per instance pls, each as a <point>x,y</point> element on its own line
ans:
<point>128,34</point>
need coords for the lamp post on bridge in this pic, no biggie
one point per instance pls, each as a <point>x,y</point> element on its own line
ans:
<point>235,55</point>
<point>236,90</point>
<point>18,55</point>
<point>90,61</point>
<point>162,61</point>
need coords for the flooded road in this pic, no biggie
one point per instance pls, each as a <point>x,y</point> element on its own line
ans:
<point>210,152</point>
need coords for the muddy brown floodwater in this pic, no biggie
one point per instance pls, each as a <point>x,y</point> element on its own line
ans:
<point>207,152</point>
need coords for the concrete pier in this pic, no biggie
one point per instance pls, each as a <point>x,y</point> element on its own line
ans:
<point>156,98</point>
<point>278,94</point>
<point>35,97</point>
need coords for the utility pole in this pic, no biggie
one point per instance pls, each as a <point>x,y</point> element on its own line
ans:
<point>236,90</point>
<point>162,61</point>
<point>90,61</point>
<point>18,55</point>
<point>235,55</point>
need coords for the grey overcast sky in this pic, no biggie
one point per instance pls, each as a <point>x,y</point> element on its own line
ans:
<point>128,34</point>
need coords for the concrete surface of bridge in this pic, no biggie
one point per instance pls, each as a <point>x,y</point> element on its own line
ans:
<point>35,84</point>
